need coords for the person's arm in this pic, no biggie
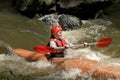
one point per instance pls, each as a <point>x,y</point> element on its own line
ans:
<point>70,45</point>
<point>53,44</point>
<point>78,46</point>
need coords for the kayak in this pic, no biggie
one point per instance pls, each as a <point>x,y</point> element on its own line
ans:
<point>86,66</point>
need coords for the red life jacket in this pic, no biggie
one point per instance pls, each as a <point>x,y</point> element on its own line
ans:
<point>59,43</point>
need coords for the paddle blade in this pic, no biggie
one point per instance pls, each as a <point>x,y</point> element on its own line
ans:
<point>104,42</point>
<point>43,49</point>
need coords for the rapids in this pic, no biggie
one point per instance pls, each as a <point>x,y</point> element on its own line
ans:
<point>17,31</point>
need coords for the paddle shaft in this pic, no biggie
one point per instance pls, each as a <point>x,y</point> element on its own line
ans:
<point>75,46</point>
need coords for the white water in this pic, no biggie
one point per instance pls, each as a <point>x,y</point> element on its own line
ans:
<point>19,31</point>
<point>44,70</point>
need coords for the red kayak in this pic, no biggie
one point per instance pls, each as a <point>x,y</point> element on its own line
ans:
<point>84,65</point>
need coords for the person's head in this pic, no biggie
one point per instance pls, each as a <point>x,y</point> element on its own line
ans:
<point>56,31</point>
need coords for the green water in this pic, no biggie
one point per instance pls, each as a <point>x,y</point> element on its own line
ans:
<point>20,31</point>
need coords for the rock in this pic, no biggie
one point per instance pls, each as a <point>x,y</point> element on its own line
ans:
<point>83,9</point>
<point>30,8</point>
<point>67,22</point>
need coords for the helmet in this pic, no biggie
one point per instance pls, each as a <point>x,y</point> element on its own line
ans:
<point>55,29</point>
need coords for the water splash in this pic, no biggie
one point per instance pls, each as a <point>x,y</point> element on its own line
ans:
<point>6,46</point>
<point>68,22</point>
<point>71,74</point>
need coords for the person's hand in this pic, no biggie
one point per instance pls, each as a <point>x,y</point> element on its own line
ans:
<point>85,44</point>
<point>66,47</point>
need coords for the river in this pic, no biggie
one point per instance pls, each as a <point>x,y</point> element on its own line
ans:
<point>17,31</point>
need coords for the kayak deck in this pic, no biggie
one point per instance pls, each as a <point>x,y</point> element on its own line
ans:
<point>29,55</point>
<point>85,65</point>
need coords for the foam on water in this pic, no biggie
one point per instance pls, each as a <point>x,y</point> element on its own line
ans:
<point>45,70</point>
<point>71,74</point>
<point>20,66</point>
<point>86,53</point>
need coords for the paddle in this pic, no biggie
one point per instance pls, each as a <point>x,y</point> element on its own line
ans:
<point>101,43</point>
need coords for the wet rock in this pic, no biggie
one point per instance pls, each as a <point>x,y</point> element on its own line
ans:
<point>30,8</point>
<point>68,22</point>
<point>50,20</point>
<point>84,9</point>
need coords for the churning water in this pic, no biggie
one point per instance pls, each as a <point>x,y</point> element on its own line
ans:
<point>17,31</point>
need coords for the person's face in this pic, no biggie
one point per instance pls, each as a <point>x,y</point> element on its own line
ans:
<point>59,35</point>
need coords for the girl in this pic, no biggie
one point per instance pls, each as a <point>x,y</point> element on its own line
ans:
<point>59,44</point>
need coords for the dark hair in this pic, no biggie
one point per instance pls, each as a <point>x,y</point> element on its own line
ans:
<point>52,36</point>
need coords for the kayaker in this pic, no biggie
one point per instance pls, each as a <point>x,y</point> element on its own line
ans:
<point>59,44</point>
